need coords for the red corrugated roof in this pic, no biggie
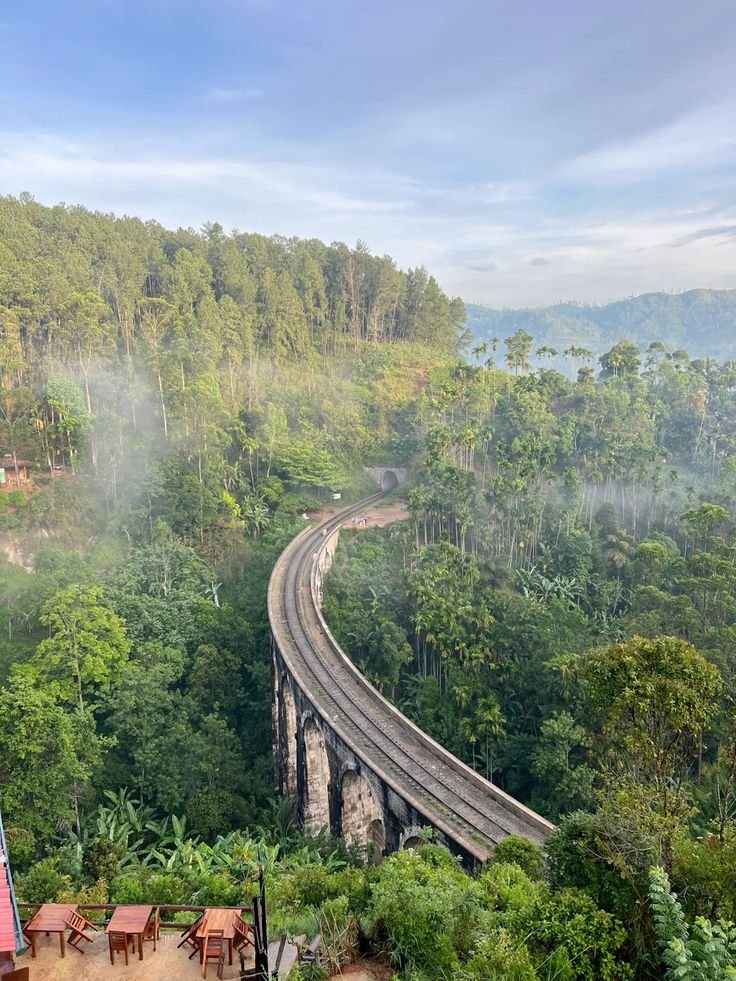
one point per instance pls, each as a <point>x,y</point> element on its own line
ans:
<point>7,916</point>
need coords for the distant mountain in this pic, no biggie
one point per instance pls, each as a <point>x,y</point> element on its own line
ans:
<point>702,322</point>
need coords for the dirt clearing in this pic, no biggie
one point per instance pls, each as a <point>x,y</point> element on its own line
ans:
<point>377,516</point>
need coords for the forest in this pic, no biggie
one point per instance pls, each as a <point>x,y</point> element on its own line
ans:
<point>698,321</point>
<point>558,609</point>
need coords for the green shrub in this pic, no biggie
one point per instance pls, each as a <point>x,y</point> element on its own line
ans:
<point>18,498</point>
<point>216,889</point>
<point>128,888</point>
<point>102,859</point>
<point>707,868</point>
<point>169,889</point>
<point>564,929</point>
<point>521,852</point>
<point>21,846</point>
<point>501,957</point>
<point>42,883</point>
<point>590,937</point>
<point>415,905</point>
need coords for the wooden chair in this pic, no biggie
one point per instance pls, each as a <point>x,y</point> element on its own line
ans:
<point>241,931</point>
<point>119,941</point>
<point>190,936</point>
<point>78,926</point>
<point>153,927</point>
<point>213,949</point>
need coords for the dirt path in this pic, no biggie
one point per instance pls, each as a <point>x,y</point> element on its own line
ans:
<point>375,517</point>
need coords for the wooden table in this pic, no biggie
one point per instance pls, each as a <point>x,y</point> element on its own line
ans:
<point>132,921</point>
<point>219,918</point>
<point>50,919</point>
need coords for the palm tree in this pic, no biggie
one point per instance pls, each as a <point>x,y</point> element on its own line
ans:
<point>490,724</point>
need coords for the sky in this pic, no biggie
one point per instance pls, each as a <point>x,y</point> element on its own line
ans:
<point>526,151</point>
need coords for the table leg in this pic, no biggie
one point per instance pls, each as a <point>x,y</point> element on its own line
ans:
<point>33,944</point>
<point>229,951</point>
<point>62,944</point>
<point>140,946</point>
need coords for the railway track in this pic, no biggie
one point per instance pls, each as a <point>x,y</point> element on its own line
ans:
<point>447,793</point>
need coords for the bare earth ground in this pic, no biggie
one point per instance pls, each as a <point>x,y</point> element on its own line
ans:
<point>366,970</point>
<point>376,517</point>
<point>166,964</point>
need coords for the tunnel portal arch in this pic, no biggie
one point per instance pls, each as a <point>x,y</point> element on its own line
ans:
<point>389,481</point>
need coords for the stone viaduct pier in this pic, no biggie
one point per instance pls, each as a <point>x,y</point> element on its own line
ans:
<point>350,761</point>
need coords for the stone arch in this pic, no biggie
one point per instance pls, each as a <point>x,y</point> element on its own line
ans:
<point>389,480</point>
<point>361,819</point>
<point>376,839</point>
<point>317,780</point>
<point>289,739</point>
<point>411,837</point>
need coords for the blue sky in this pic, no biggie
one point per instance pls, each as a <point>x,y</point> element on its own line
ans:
<point>525,152</point>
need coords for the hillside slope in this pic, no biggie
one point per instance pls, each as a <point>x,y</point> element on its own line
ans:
<point>700,321</point>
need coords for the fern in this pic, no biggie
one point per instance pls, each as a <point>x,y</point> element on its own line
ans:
<point>705,952</point>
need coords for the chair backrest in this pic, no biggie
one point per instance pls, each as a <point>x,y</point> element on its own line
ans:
<point>214,940</point>
<point>118,941</point>
<point>75,922</point>
<point>242,934</point>
<point>78,923</point>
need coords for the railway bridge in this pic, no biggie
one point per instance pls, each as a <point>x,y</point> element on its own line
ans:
<point>350,761</point>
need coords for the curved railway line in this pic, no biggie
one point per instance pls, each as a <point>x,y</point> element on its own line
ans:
<point>453,798</point>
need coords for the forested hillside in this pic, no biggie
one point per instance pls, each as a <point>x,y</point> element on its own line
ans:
<point>170,402</point>
<point>702,322</point>
<point>559,609</point>
<point>560,612</point>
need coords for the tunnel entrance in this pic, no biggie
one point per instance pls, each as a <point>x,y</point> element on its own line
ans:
<point>389,481</point>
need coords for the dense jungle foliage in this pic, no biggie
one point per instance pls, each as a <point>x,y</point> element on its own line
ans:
<point>178,399</point>
<point>559,608</point>
<point>560,611</point>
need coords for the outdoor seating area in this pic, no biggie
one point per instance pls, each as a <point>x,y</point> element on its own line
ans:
<point>120,934</point>
<point>157,943</point>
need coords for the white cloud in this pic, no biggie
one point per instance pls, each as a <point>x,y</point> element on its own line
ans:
<point>72,166</point>
<point>483,240</point>
<point>701,140</point>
